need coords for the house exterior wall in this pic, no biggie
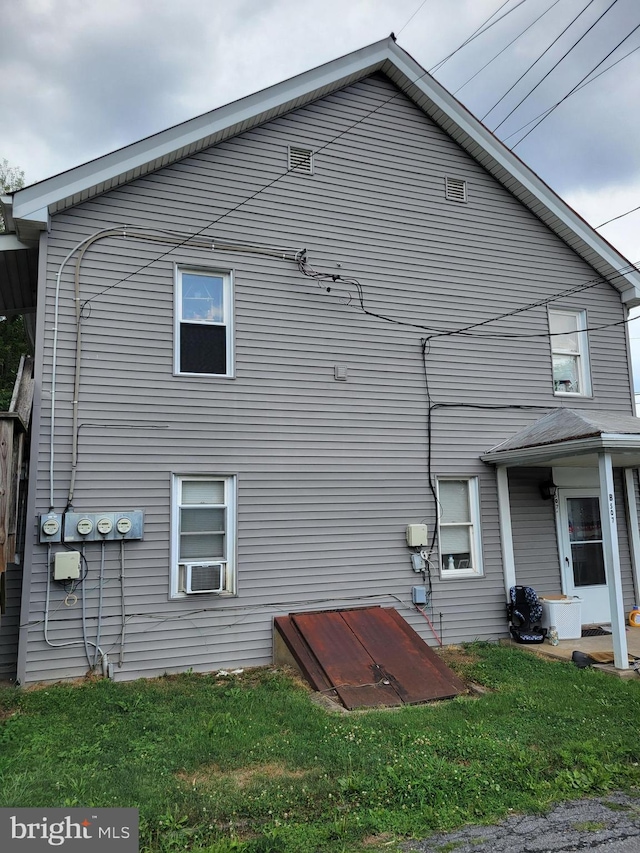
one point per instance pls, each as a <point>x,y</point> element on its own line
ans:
<point>329,473</point>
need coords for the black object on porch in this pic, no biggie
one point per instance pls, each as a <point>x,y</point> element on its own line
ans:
<point>524,611</point>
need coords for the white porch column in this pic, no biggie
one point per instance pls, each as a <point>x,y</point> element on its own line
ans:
<point>612,559</point>
<point>632,526</point>
<point>506,535</point>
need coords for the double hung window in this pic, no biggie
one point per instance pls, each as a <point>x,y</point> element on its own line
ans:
<point>459,527</point>
<point>203,535</point>
<point>569,352</point>
<point>204,323</point>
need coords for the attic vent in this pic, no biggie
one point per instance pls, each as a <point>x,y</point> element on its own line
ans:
<point>455,189</point>
<point>301,159</point>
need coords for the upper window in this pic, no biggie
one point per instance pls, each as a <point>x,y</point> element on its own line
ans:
<point>204,330</point>
<point>459,527</point>
<point>569,352</point>
<point>203,535</point>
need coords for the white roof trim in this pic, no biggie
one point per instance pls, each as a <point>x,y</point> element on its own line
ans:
<point>10,242</point>
<point>612,442</point>
<point>104,173</point>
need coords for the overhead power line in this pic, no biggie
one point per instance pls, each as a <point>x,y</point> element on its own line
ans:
<point>506,47</point>
<point>574,91</point>
<point>405,25</point>
<point>613,219</point>
<point>577,86</point>
<point>553,67</point>
<point>480,31</point>
<point>535,62</point>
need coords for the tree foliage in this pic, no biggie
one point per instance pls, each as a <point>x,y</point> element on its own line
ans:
<point>11,178</point>
<point>13,339</point>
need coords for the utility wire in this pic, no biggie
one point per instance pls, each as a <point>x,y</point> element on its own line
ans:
<point>573,92</point>
<point>576,87</point>
<point>506,47</point>
<point>553,67</point>
<point>404,26</point>
<point>466,331</point>
<point>633,210</point>
<point>480,31</point>
<point>535,62</point>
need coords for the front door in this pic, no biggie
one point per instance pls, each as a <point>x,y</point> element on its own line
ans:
<point>581,553</point>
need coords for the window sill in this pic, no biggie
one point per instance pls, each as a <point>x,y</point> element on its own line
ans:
<point>207,596</point>
<point>460,574</point>
<point>573,395</point>
<point>204,375</point>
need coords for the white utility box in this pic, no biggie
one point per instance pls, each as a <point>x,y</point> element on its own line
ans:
<point>66,566</point>
<point>417,535</point>
<point>565,613</point>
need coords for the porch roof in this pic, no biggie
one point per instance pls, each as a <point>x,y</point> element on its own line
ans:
<point>569,437</point>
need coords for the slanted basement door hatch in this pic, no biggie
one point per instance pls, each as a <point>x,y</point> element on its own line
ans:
<point>366,657</point>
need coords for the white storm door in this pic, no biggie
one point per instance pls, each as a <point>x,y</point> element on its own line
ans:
<point>582,554</point>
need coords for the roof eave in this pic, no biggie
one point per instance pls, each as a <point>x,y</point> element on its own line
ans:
<point>76,185</point>
<point>179,141</point>
<point>547,453</point>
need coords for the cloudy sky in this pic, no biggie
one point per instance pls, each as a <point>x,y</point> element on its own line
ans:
<point>83,77</point>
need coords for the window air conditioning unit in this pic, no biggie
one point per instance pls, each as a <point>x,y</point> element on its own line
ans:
<point>204,577</point>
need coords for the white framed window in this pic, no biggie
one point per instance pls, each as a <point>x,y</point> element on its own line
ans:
<point>459,527</point>
<point>569,352</point>
<point>203,322</point>
<point>203,552</point>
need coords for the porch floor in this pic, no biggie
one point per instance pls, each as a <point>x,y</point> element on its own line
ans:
<point>566,648</point>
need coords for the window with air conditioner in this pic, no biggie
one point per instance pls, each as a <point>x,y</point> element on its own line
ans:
<point>569,352</point>
<point>203,323</point>
<point>203,561</point>
<point>459,527</point>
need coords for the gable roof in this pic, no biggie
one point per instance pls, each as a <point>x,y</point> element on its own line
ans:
<point>32,205</point>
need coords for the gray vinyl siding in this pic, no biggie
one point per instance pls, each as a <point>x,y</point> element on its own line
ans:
<point>623,543</point>
<point>329,473</point>
<point>535,541</point>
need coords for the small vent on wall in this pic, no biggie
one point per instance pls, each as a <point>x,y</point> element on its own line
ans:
<point>455,189</point>
<point>301,160</point>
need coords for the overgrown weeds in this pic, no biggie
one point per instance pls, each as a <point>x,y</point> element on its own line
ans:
<point>248,763</point>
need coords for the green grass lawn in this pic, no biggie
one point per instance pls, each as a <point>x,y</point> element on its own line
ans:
<point>249,763</point>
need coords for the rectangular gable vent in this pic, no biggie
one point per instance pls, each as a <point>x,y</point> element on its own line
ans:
<point>301,160</point>
<point>204,577</point>
<point>455,189</point>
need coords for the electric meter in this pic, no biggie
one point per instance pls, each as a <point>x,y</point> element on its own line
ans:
<point>84,526</point>
<point>104,526</point>
<point>123,525</point>
<point>51,526</point>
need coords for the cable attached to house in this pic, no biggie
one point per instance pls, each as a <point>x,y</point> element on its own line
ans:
<point>68,643</point>
<point>122,605</point>
<point>100,600</point>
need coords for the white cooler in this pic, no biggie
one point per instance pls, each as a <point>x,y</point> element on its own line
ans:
<point>565,614</point>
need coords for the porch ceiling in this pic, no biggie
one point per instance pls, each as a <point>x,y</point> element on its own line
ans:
<point>566,437</point>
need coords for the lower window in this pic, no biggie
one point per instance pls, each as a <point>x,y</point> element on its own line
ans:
<point>459,527</point>
<point>203,552</point>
